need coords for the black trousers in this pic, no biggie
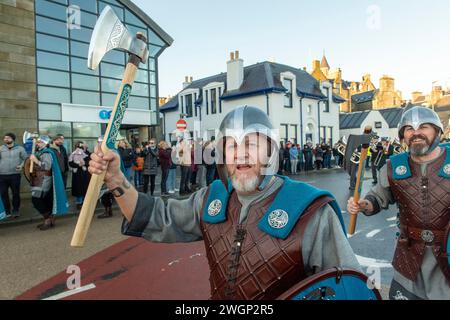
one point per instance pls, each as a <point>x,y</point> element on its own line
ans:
<point>44,204</point>
<point>165,174</point>
<point>107,199</point>
<point>10,181</point>
<point>152,178</point>
<point>374,171</point>
<point>185,177</point>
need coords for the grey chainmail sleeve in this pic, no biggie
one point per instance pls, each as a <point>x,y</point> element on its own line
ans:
<point>325,245</point>
<point>381,195</point>
<point>176,221</point>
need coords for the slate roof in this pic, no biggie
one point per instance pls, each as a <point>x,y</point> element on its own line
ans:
<point>392,115</point>
<point>352,120</point>
<point>260,78</point>
<point>364,96</point>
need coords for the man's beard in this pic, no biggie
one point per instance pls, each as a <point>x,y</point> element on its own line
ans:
<point>245,182</point>
<point>419,149</point>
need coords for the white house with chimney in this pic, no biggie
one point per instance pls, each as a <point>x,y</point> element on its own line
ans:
<point>304,109</point>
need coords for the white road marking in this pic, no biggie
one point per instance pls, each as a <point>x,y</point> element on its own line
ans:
<point>71,292</point>
<point>372,233</point>
<point>195,255</point>
<point>392,225</point>
<point>174,261</point>
<point>392,218</point>
<point>371,262</point>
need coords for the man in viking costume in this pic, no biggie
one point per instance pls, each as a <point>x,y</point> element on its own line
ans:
<point>47,187</point>
<point>419,182</point>
<point>263,233</point>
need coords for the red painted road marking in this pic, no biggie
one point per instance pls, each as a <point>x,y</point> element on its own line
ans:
<point>136,269</point>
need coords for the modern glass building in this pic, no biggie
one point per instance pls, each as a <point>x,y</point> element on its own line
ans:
<point>72,99</point>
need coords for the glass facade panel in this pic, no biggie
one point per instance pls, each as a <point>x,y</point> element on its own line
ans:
<point>131,18</point>
<point>117,10</point>
<point>79,49</point>
<point>86,97</point>
<point>154,39</point>
<point>154,50</point>
<point>138,103</point>
<point>115,56</point>
<point>53,78</point>
<point>111,70</point>
<point>140,89</point>
<point>87,130</point>
<point>82,34</point>
<point>85,82</point>
<point>108,99</point>
<point>49,111</point>
<point>111,85</point>
<point>88,5</point>
<point>55,95</point>
<point>50,9</point>
<point>52,128</point>
<point>80,65</point>
<point>142,76</point>
<point>51,26</point>
<point>50,60</point>
<point>53,44</point>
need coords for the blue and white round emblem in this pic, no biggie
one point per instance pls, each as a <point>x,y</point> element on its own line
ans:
<point>278,219</point>
<point>447,169</point>
<point>214,207</point>
<point>400,170</point>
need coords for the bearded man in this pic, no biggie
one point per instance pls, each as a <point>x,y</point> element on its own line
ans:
<point>419,182</point>
<point>263,233</point>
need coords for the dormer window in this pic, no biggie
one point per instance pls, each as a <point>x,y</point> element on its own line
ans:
<point>188,105</point>
<point>213,101</point>
<point>287,83</point>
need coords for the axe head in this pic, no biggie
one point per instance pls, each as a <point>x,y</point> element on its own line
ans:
<point>353,142</point>
<point>110,33</point>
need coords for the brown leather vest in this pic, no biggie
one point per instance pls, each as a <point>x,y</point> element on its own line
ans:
<point>265,266</point>
<point>424,203</point>
<point>37,177</point>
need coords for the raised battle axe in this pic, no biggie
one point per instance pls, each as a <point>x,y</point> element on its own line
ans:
<point>353,142</point>
<point>27,135</point>
<point>109,33</point>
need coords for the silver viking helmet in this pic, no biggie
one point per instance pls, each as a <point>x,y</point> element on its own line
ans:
<point>239,123</point>
<point>44,138</point>
<point>417,116</point>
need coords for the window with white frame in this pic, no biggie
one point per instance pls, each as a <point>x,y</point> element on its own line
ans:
<point>213,101</point>
<point>327,101</point>
<point>188,105</point>
<point>287,83</point>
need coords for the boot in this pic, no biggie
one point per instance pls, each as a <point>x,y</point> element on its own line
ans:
<point>106,214</point>
<point>46,225</point>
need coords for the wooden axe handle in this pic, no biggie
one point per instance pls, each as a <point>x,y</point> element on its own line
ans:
<point>32,152</point>
<point>90,202</point>
<point>357,193</point>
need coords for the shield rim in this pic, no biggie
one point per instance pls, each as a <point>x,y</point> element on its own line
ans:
<point>323,275</point>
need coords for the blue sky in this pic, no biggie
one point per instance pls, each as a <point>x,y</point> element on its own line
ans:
<point>408,40</point>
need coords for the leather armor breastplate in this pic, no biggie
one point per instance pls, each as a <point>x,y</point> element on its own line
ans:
<point>424,204</point>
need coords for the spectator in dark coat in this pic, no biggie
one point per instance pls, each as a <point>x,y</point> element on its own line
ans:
<point>79,162</point>
<point>165,160</point>
<point>150,165</point>
<point>127,156</point>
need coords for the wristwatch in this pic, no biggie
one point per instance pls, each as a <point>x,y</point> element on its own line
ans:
<point>117,192</point>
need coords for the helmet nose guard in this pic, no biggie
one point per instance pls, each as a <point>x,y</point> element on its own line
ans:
<point>239,123</point>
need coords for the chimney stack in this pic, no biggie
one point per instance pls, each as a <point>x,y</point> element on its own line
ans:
<point>186,82</point>
<point>235,71</point>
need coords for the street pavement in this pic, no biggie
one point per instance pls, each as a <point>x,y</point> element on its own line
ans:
<point>34,262</point>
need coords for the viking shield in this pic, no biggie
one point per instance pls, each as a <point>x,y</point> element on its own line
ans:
<point>333,284</point>
<point>26,169</point>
